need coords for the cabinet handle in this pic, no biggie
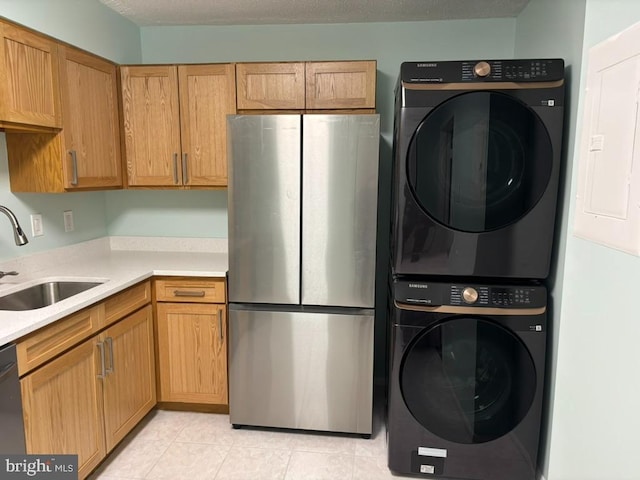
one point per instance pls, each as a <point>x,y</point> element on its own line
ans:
<point>74,167</point>
<point>220,325</point>
<point>188,293</point>
<point>185,173</point>
<point>103,372</point>
<point>111,368</point>
<point>175,168</point>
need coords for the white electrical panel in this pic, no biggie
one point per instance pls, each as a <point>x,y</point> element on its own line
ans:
<point>608,197</point>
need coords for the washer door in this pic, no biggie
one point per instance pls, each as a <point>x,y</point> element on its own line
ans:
<point>479,161</point>
<point>468,380</point>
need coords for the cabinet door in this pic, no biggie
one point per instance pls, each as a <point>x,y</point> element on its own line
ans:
<point>28,79</point>
<point>90,117</point>
<point>151,125</point>
<point>192,353</point>
<point>129,387</point>
<point>270,86</point>
<point>339,85</point>
<point>62,404</point>
<point>207,96</point>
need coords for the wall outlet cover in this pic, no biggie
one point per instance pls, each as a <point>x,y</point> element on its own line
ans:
<point>68,221</point>
<point>37,228</point>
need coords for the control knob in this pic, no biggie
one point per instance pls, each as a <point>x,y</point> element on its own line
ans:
<point>470,295</point>
<point>482,69</point>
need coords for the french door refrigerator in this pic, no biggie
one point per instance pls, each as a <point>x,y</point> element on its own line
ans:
<point>302,247</point>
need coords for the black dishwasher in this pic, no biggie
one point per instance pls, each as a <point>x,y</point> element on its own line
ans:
<point>12,438</point>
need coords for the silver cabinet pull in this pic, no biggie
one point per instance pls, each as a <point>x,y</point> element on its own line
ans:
<point>185,173</point>
<point>188,293</point>
<point>111,368</point>
<point>103,372</point>
<point>74,167</point>
<point>175,168</point>
<point>220,325</point>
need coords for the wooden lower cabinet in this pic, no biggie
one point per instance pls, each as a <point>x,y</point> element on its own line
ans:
<point>129,387</point>
<point>62,404</point>
<point>76,404</point>
<point>192,353</point>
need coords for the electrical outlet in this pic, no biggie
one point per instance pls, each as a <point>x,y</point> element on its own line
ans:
<point>37,229</point>
<point>68,221</point>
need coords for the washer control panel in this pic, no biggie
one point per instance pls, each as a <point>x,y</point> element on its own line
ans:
<point>461,294</point>
<point>464,71</point>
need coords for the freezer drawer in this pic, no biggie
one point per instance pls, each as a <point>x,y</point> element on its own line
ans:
<point>302,370</point>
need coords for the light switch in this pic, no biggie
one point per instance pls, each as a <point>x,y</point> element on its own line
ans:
<point>37,229</point>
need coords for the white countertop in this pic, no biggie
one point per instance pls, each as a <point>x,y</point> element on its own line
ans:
<point>118,269</point>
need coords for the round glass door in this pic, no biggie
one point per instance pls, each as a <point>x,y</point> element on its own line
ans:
<point>468,380</point>
<point>479,161</point>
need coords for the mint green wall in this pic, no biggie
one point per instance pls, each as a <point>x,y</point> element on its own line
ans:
<point>549,28</point>
<point>92,26</point>
<point>388,43</point>
<point>596,420</point>
<point>87,24</point>
<point>198,214</point>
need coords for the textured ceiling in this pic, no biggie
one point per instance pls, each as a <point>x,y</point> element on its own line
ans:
<point>259,12</point>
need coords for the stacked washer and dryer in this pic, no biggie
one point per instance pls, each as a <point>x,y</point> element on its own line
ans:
<point>477,148</point>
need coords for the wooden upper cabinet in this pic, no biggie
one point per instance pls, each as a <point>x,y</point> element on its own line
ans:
<point>270,86</point>
<point>151,125</point>
<point>29,90</point>
<point>90,116</point>
<point>85,154</point>
<point>307,86</point>
<point>207,96</point>
<point>174,124</point>
<point>337,85</point>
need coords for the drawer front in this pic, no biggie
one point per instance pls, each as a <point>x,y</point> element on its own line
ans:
<point>120,305</point>
<point>49,341</point>
<point>209,290</point>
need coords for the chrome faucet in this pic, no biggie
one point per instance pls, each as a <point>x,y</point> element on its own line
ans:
<point>18,235</point>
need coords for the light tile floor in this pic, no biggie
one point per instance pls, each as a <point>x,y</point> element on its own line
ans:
<point>204,446</point>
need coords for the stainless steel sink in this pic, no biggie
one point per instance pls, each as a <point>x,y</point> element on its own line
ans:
<point>43,294</point>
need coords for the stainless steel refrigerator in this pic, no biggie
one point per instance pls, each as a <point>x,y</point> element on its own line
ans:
<point>302,249</point>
